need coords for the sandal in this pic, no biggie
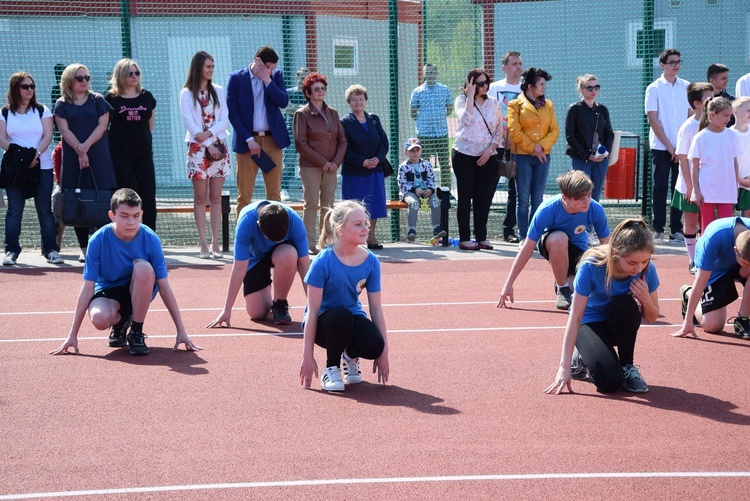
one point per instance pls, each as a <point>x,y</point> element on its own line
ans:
<point>473,247</point>
<point>486,246</point>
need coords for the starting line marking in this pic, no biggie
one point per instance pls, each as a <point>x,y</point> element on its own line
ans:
<point>395,480</point>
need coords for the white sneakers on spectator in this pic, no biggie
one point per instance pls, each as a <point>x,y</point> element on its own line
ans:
<point>54,258</point>
<point>10,259</point>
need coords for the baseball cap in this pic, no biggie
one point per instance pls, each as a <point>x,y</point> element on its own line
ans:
<point>412,142</point>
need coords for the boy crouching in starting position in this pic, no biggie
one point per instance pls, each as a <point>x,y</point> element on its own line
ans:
<point>124,270</point>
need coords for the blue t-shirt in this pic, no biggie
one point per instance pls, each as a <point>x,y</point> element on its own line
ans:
<point>109,260</point>
<point>590,282</point>
<point>551,216</point>
<point>250,243</point>
<point>714,250</point>
<point>342,284</point>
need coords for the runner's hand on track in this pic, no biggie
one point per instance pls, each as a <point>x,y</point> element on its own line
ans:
<point>69,343</point>
<point>381,365</point>
<point>189,345</point>
<point>307,370</point>
<point>505,295</point>
<point>223,318</point>
<point>561,381</point>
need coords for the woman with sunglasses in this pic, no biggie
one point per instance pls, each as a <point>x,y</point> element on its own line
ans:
<point>82,117</point>
<point>480,132</point>
<point>25,123</point>
<point>587,127</point>
<point>130,126</point>
<point>321,144</point>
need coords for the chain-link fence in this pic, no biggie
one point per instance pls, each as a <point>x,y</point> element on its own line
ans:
<point>383,45</point>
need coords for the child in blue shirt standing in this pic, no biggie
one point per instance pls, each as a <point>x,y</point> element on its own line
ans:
<point>334,318</point>
<point>559,227</point>
<point>125,268</point>
<point>615,287</point>
<point>416,180</point>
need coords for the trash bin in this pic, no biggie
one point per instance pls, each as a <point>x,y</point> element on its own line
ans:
<point>620,181</point>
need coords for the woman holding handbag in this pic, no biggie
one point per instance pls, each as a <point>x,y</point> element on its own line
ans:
<point>25,123</point>
<point>480,132</point>
<point>533,130</point>
<point>82,117</point>
<point>362,175</point>
<point>206,116</point>
<point>130,140</point>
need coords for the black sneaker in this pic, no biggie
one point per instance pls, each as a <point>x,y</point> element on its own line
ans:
<point>137,343</point>
<point>578,369</point>
<point>684,301</point>
<point>564,298</point>
<point>411,235</point>
<point>438,232</point>
<point>280,310</point>
<point>741,327</point>
<point>511,239</point>
<point>118,334</point>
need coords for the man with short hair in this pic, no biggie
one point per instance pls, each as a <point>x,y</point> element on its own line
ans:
<point>667,108</point>
<point>505,91</point>
<point>255,97</point>
<point>431,103</point>
<point>268,235</point>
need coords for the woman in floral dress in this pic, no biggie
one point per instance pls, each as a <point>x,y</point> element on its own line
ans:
<point>206,116</point>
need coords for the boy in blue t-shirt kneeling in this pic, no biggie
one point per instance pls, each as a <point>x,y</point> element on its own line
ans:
<point>558,231</point>
<point>125,268</point>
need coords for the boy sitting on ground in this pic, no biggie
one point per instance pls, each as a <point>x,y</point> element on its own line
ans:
<point>416,180</point>
<point>559,227</point>
<point>125,268</point>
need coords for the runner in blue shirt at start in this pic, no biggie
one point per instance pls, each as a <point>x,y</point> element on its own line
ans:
<point>722,257</point>
<point>558,230</point>
<point>268,235</point>
<point>124,270</point>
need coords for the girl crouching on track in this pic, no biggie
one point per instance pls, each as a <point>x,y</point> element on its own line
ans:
<point>334,318</point>
<point>615,286</point>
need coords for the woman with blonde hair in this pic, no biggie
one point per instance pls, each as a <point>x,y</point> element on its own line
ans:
<point>82,117</point>
<point>130,141</point>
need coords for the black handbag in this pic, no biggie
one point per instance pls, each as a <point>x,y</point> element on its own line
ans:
<point>86,208</point>
<point>387,168</point>
<point>506,166</point>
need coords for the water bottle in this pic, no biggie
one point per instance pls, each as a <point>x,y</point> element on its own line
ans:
<point>601,151</point>
<point>454,242</point>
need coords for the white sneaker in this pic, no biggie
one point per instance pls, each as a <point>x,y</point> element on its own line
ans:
<point>521,242</point>
<point>352,374</point>
<point>284,195</point>
<point>10,259</point>
<point>593,240</point>
<point>54,258</point>
<point>658,238</point>
<point>330,380</point>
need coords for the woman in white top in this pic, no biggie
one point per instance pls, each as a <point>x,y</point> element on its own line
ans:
<point>27,124</point>
<point>206,116</point>
<point>480,132</point>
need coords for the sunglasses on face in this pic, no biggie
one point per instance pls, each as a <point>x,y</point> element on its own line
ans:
<point>592,88</point>
<point>481,84</point>
<point>134,73</point>
<point>81,78</point>
<point>319,89</point>
<point>27,86</point>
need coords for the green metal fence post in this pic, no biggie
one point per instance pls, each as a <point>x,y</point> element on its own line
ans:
<point>393,111</point>
<point>127,45</point>
<point>647,50</point>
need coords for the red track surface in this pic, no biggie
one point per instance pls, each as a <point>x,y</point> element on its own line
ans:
<point>465,400</point>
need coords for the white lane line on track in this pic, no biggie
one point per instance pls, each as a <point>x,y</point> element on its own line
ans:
<point>218,308</point>
<point>394,480</point>
<point>299,334</point>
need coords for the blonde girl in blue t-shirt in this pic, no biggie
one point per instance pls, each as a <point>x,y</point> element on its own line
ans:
<point>334,317</point>
<point>615,287</point>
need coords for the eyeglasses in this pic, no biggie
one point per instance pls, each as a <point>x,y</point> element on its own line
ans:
<point>134,73</point>
<point>592,88</point>
<point>675,62</point>
<point>27,86</point>
<point>81,78</point>
<point>481,84</point>
<point>319,89</point>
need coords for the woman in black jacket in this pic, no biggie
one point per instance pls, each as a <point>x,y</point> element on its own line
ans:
<point>587,127</point>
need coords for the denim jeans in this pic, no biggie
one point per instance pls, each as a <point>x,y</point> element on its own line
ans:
<point>531,181</point>
<point>43,203</point>
<point>596,171</point>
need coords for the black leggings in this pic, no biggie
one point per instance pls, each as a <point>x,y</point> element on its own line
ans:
<point>476,184</point>
<point>140,175</point>
<point>596,342</point>
<point>339,329</point>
